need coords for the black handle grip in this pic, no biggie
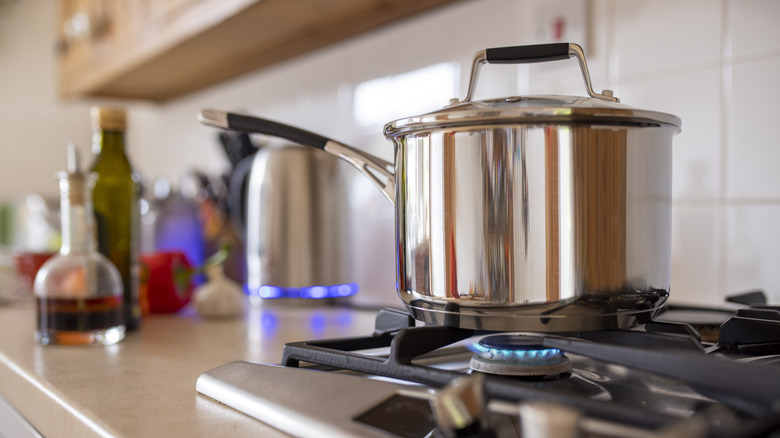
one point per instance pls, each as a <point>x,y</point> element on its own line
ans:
<point>237,188</point>
<point>249,124</point>
<point>527,54</point>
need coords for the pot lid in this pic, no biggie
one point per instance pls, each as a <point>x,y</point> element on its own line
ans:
<point>532,110</point>
<point>602,108</point>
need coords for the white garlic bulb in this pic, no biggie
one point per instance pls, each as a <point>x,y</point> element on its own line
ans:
<point>220,297</point>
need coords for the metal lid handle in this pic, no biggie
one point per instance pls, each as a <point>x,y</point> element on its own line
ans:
<point>532,54</point>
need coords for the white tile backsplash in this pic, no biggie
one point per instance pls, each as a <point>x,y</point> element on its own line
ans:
<point>372,243</point>
<point>658,35</point>
<point>695,97</point>
<point>753,233</point>
<point>476,25</point>
<point>696,254</point>
<point>753,149</point>
<point>753,25</point>
<point>424,41</point>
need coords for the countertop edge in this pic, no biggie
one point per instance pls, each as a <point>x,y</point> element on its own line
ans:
<point>47,410</point>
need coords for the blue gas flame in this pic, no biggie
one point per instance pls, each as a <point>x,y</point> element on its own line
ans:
<point>519,356</point>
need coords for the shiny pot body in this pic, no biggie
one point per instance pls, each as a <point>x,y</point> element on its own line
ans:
<point>539,227</point>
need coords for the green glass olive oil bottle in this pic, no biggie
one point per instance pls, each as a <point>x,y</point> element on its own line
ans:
<point>116,204</point>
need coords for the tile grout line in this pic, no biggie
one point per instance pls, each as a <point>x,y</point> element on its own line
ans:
<point>725,201</point>
<point>726,58</point>
<point>750,57</point>
<point>725,101</point>
<point>667,71</point>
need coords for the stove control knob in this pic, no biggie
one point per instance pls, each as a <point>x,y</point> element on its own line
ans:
<point>458,408</point>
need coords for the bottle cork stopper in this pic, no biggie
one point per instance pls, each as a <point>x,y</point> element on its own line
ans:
<point>76,183</point>
<point>107,119</point>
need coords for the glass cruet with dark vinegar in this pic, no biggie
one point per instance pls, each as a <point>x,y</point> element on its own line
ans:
<point>78,291</point>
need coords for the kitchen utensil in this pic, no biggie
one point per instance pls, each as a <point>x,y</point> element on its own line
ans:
<point>292,223</point>
<point>237,146</point>
<point>78,291</point>
<point>547,213</point>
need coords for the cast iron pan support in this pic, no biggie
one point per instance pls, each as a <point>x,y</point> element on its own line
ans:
<point>411,342</point>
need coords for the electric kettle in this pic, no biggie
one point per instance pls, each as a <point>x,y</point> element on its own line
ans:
<point>289,201</point>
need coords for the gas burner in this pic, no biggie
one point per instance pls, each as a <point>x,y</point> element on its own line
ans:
<point>517,355</point>
<point>655,381</point>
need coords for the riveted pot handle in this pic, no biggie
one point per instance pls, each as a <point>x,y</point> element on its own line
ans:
<point>532,54</point>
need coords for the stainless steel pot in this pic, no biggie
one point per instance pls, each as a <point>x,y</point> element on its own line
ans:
<point>547,213</point>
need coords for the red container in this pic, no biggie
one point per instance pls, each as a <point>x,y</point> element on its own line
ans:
<point>166,284</point>
<point>27,265</point>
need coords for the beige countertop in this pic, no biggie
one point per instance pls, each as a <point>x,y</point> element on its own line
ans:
<point>145,385</point>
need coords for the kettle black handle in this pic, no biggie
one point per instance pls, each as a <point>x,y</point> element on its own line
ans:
<point>532,54</point>
<point>237,188</point>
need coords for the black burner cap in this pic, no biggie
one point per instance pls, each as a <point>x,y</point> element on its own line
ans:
<point>512,342</point>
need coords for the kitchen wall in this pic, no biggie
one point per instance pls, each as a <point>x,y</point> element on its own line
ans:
<point>713,63</point>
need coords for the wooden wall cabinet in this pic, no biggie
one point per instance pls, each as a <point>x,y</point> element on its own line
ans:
<point>160,49</point>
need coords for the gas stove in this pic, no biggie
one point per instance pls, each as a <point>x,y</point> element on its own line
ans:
<point>659,379</point>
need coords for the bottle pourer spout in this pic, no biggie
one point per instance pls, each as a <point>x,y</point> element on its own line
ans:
<point>74,159</point>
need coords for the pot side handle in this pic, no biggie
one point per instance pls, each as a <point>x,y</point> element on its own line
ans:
<point>378,170</point>
<point>532,54</point>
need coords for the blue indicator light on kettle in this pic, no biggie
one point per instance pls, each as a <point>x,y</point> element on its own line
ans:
<point>312,292</point>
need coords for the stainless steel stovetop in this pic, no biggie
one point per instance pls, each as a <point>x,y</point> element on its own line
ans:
<point>656,380</point>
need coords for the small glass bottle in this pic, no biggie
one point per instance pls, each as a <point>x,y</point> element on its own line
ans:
<point>78,291</point>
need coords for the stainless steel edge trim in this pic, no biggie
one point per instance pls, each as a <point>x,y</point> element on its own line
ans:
<point>478,119</point>
<point>264,392</point>
<point>498,319</point>
<point>213,117</point>
<point>274,415</point>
